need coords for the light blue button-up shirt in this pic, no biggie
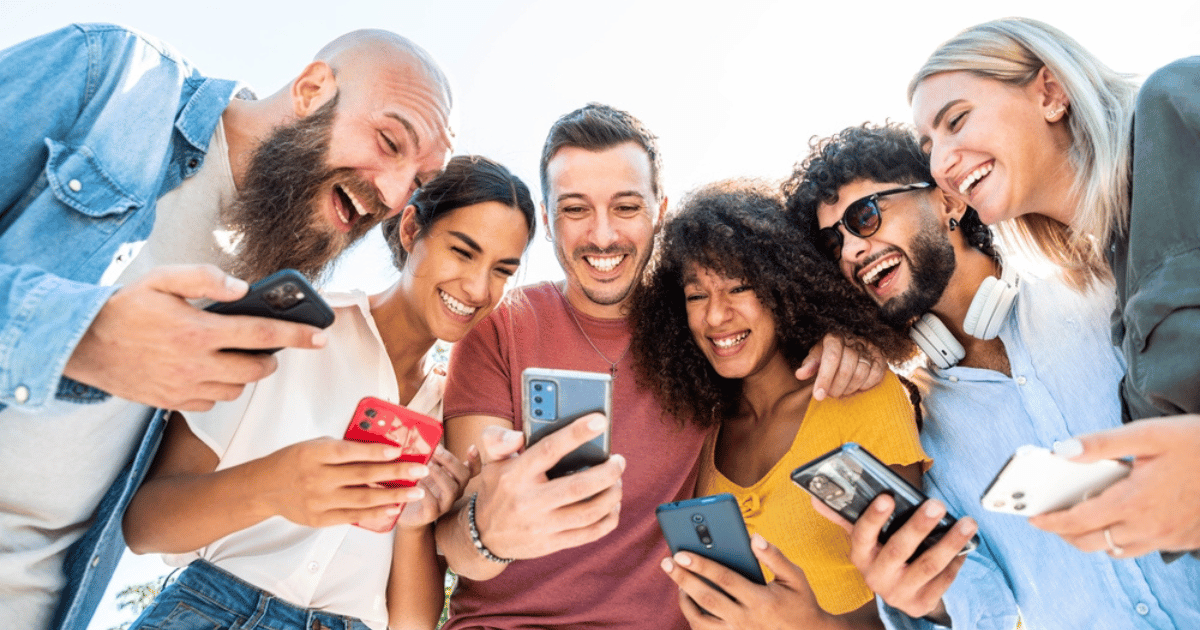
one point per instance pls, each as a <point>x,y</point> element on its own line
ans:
<point>97,123</point>
<point>1065,375</point>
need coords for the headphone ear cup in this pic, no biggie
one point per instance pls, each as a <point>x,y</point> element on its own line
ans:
<point>979,306</point>
<point>936,341</point>
<point>1005,295</point>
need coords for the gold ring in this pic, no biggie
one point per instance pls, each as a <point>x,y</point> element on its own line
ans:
<point>1113,548</point>
<point>864,360</point>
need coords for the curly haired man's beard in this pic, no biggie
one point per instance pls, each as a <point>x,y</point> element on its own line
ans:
<point>932,264</point>
<point>276,214</point>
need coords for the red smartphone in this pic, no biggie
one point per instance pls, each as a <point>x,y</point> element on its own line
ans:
<point>382,422</point>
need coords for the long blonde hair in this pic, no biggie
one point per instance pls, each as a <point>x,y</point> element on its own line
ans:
<point>1100,121</point>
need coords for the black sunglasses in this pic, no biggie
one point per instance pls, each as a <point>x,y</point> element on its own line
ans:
<point>861,218</point>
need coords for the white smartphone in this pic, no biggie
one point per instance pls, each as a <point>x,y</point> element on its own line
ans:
<point>1035,481</point>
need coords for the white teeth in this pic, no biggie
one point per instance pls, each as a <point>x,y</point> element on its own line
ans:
<point>605,263</point>
<point>362,212</point>
<point>730,342</point>
<point>873,274</point>
<point>975,176</point>
<point>456,307</point>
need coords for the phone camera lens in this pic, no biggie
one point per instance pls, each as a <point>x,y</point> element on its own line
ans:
<point>364,425</point>
<point>537,412</point>
<point>537,387</point>
<point>284,296</point>
<point>537,399</point>
<point>698,518</point>
<point>1018,495</point>
<point>1018,506</point>
<point>370,413</point>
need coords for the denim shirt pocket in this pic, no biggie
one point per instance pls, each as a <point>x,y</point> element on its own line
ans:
<point>79,180</point>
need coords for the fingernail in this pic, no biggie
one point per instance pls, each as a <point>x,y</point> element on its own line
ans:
<point>819,393</point>
<point>440,450</point>
<point>319,340</point>
<point>1068,448</point>
<point>418,471</point>
<point>620,459</point>
<point>683,560</point>
<point>933,509</point>
<point>966,527</point>
<point>394,510</point>
<point>472,450</point>
<point>758,541</point>
<point>392,452</point>
<point>510,437</point>
<point>667,565</point>
<point>880,506</point>
<point>415,494</point>
<point>597,423</point>
<point>236,284</point>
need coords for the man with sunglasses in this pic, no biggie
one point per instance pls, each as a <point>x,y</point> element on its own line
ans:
<point>1016,359</point>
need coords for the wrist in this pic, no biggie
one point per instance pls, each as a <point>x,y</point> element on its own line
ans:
<point>476,540</point>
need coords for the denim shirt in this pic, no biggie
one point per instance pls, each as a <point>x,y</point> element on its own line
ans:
<point>98,122</point>
<point>1064,379</point>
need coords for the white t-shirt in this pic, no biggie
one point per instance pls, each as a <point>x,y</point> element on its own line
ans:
<point>341,569</point>
<point>56,466</point>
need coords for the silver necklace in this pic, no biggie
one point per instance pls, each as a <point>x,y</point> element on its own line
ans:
<point>612,365</point>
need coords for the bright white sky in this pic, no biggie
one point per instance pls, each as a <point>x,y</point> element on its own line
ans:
<point>731,88</point>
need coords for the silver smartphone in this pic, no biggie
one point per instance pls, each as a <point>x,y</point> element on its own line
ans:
<point>848,479</point>
<point>552,399</point>
<point>1035,480</point>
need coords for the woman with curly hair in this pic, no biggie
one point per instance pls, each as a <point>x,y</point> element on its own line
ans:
<point>731,307</point>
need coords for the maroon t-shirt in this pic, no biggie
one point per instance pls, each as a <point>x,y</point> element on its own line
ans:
<point>616,581</point>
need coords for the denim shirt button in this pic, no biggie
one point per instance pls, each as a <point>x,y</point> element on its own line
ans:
<point>21,393</point>
<point>75,185</point>
<point>95,560</point>
<point>1142,609</point>
<point>193,163</point>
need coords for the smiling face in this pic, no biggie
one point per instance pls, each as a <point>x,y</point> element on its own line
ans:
<point>1001,148</point>
<point>729,324</point>
<point>603,214</point>
<point>457,271</point>
<point>904,266</point>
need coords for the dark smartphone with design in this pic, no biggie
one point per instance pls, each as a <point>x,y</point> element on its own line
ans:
<point>712,527</point>
<point>552,399</point>
<point>284,295</point>
<point>381,422</point>
<point>1035,480</point>
<point>848,478</point>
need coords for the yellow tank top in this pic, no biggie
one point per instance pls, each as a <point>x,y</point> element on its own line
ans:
<point>881,420</point>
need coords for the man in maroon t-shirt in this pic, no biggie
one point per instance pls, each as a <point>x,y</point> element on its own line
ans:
<point>581,550</point>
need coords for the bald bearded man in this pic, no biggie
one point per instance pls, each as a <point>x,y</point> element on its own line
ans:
<point>132,184</point>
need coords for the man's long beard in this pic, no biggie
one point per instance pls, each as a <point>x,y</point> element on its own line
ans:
<point>932,264</point>
<point>276,216</point>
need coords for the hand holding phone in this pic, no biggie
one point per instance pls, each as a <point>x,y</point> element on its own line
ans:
<point>383,422</point>
<point>848,478</point>
<point>552,399</point>
<point>1034,481</point>
<point>284,295</point>
<point>712,527</point>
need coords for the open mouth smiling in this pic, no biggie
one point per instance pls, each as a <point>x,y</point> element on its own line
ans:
<point>725,343</point>
<point>975,176</point>
<point>604,264</point>
<point>347,206</point>
<point>455,306</point>
<point>875,274</point>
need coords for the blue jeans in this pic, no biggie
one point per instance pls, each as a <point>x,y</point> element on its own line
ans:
<point>207,598</point>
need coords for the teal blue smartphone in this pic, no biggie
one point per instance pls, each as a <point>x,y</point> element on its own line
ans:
<point>712,527</point>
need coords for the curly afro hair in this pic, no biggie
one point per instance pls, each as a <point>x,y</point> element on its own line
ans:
<point>886,153</point>
<point>737,229</point>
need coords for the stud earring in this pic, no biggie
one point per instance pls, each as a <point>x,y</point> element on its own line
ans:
<point>953,224</point>
<point>1051,116</point>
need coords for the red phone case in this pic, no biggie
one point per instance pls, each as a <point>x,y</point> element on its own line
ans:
<point>382,422</point>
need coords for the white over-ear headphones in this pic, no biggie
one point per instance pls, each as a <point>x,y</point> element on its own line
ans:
<point>986,314</point>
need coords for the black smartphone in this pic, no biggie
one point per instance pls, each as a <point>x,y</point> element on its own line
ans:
<point>284,295</point>
<point>848,479</point>
<point>712,527</point>
<point>552,399</point>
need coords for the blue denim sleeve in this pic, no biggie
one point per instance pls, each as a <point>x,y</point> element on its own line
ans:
<point>50,92</point>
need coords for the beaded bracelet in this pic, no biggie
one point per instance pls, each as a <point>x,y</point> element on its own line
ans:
<point>484,551</point>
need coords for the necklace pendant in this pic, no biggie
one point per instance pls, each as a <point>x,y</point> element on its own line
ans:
<point>612,371</point>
